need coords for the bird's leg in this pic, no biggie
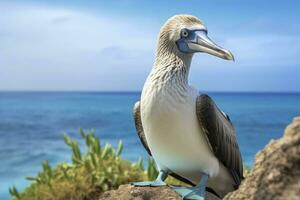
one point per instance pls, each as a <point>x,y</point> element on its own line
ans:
<point>194,193</point>
<point>159,181</point>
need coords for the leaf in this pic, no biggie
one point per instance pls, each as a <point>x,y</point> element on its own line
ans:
<point>94,160</point>
<point>31,178</point>
<point>120,148</point>
<point>151,170</point>
<point>77,161</point>
<point>67,139</point>
<point>76,150</point>
<point>14,192</point>
<point>81,132</point>
<point>105,151</point>
<point>140,163</point>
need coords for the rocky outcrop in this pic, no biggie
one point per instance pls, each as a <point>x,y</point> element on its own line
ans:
<point>128,192</point>
<point>276,173</point>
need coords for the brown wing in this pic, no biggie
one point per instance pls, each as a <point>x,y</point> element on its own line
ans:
<point>221,135</point>
<point>139,126</point>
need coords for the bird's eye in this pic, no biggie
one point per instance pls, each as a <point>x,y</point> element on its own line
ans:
<point>185,33</point>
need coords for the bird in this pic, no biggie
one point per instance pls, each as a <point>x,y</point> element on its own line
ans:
<point>184,131</point>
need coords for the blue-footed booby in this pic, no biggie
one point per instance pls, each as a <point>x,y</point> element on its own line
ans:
<point>188,136</point>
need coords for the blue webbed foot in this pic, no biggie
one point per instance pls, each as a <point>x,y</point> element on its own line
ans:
<point>156,183</point>
<point>193,193</point>
<point>190,193</point>
<point>149,184</point>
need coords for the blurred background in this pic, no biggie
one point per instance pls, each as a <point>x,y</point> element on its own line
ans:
<point>70,64</point>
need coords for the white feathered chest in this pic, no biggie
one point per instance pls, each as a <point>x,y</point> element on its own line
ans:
<point>171,128</point>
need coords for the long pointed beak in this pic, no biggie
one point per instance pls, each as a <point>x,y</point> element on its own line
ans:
<point>202,43</point>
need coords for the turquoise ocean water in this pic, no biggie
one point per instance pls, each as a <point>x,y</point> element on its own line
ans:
<point>32,125</point>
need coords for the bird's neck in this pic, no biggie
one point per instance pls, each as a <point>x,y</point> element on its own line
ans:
<point>171,68</point>
<point>169,74</point>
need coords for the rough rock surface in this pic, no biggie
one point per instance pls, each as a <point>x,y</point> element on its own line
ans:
<point>275,176</point>
<point>128,192</point>
<point>276,173</point>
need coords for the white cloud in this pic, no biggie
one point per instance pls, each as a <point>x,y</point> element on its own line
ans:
<point>49,48</point>
<point>40,44</point>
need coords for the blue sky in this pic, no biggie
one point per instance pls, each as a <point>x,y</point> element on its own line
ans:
<point>109,45</point>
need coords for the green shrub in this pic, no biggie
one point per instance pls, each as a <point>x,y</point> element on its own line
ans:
<point>91,173</point>
<point>97,170</point>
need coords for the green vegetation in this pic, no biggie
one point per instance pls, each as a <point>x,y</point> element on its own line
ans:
<point>99,169</point>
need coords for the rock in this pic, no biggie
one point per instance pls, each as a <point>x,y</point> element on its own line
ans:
<point>128,192</point>
<point>275,175</point>
<point>276,172</point>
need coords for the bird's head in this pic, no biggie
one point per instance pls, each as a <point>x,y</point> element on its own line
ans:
<point>186,35</point>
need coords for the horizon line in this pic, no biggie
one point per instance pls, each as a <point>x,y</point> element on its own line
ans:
<point>139,91</point>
